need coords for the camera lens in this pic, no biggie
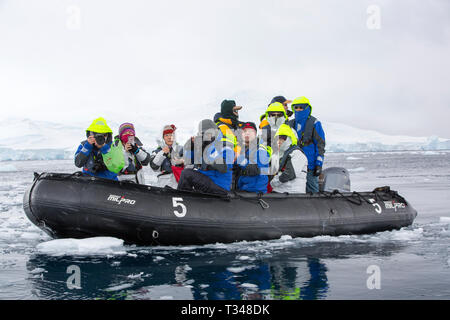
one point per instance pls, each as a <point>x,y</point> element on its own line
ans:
<point>100,139</point>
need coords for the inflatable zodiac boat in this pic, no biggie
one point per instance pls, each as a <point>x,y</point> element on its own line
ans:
<point>78,206</point>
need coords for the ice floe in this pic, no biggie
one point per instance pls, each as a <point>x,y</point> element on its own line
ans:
<point>88,246</point>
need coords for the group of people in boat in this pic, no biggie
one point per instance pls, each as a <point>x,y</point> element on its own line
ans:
<point>226,154</point>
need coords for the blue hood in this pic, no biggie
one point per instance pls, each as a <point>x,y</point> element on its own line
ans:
<point>302,116</point>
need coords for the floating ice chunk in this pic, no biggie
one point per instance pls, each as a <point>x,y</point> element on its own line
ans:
<point>404,234</point>
<point>135,276</point>
<point>353,158</point>
<point>120,287</point>
<point>37,270</point>
<point>286,237</point>
<point>249,285</point>
<point>158,258</point>
<point>88,246</point>
<point>244,258</point>
<point>239,269</point>
<point>236,269</point>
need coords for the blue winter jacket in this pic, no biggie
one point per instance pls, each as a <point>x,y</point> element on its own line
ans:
<point>220,153</point>
<point>86,156</point>
<point>314,149</point>
<point>257,183</point>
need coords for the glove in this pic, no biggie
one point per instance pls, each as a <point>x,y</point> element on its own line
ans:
<point>317,171</point>
<point>251,170</point>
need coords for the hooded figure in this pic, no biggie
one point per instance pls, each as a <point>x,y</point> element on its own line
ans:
<point>284,102</point>
<point>90,152</point>
<point>275,117</point>
<point>311,140</point>
<point>291,176</point>
<point>209,162</point>
<point>135,156</point>
<point>228,122</point>
<point>169,153</point>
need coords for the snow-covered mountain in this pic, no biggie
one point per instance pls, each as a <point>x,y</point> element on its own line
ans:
<point>25,139</point>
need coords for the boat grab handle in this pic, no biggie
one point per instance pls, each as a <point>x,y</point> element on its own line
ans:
<point>263,204</point>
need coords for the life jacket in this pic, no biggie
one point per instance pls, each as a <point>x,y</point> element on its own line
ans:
<point>95,157</point>
<point>287,155</point>
<point>255,155</point>
<point>264,121</point>
<point>228,136</point>
<point>306,137</point>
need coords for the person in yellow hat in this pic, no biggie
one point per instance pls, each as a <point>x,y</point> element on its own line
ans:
<point>292,170</point>
<point>90,153</point>
<point>276,116</point>
<point>285,102</point>
<point>311,140</point>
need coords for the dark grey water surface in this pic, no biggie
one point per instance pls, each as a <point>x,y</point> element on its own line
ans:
<point>413,263</point>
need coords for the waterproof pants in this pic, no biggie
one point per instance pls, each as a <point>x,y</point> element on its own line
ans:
<point>191,179</point>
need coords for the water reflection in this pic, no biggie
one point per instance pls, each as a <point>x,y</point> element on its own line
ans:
<point>231,272</point>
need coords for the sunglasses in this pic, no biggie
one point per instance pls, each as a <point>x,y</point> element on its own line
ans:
<point>300,107</point>
<point>276,114</point>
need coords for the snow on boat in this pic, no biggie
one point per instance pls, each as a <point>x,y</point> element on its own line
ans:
<point>78,206</point>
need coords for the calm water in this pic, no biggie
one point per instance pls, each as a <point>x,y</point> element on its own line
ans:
<point>412,263</point>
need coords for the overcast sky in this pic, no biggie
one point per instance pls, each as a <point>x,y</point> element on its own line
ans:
<point>381,65</point>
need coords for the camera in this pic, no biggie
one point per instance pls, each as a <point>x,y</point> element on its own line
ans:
<point>100,139</point>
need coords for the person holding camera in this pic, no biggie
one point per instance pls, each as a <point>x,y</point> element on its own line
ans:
<point>89,154</point>
<point>167,158</point>
<point>134,154</point>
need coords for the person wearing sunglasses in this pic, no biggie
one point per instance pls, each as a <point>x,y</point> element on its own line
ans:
<point>280,99</point>
<point>90,152</point>
<point>311,140</point>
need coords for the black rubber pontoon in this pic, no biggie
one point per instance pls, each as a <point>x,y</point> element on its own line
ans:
<point>77,206</point>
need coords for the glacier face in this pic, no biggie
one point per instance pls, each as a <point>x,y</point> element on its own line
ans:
<point>26,139</point>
